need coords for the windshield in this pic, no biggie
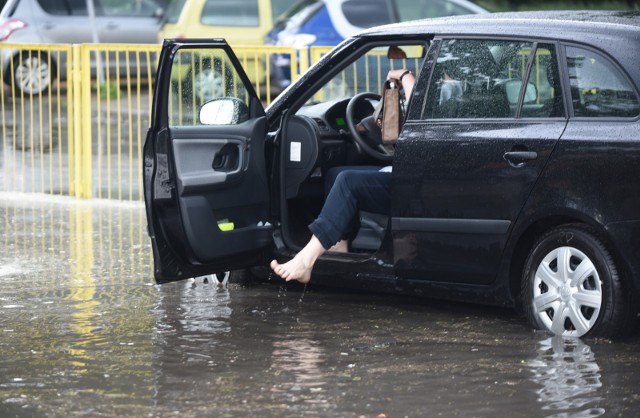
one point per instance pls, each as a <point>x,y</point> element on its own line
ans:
<point>172,13</point>
<point>300,10</point>
<point>279,7</point>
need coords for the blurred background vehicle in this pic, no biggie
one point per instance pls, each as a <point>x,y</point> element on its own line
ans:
<point>311,23</point>
<point>240,22</point>
<point>65,22</point>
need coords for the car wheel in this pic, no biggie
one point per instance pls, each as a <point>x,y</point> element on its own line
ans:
<point>572,287</point>
<point>244,277</point>
<point>209,79</point>
<point>33,72</point>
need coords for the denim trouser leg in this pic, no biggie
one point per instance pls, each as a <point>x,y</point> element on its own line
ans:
<point>352,191</point>
<point>331,174</point>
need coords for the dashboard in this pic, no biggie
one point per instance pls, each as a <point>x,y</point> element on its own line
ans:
<point>330,117</point>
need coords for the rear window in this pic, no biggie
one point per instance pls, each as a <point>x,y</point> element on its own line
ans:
<point>598,87</point>
<point>230,13</point>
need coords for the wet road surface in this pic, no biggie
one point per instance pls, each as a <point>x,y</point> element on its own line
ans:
<point>84,331</point>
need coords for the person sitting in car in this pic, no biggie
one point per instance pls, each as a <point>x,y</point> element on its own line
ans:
<point>353,190</point>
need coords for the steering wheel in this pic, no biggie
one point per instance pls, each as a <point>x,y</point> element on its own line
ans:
<point>365,132</point>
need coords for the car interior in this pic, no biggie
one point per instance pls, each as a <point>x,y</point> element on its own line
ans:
<point>491,74</point>
<point>335,128</point>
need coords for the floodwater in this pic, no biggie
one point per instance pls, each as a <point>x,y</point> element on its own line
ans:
<point>84,331</point>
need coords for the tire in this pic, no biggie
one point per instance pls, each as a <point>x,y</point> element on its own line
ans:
<point>207,80</point>
<point>244,277</point>
<point>33,72</point>
<point>587,297</point>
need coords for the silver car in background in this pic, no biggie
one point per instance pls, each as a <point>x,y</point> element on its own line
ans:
<point>67,22</point>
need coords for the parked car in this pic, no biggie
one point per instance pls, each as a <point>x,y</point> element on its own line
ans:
<point>520,191</point>
<point>240,22</point>
<point>64,22</point>
<point>312,23</point>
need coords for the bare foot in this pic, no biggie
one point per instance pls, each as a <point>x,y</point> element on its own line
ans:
<point>299,267</point>
<point>294,269</point>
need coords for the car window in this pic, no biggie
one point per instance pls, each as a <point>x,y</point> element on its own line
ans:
<point>172,13</point>
<point>369,71</point>
<point>422,9</point>
<point>278,7</point>
<point>64,7</point>
<point>297,14</point>
<point>199,76</point>
<point>477,79</point>
<point>598,88</point>
<point>543,97</point>
<point>230,13</point>
<point>145,8</point>
<point>368,13</point>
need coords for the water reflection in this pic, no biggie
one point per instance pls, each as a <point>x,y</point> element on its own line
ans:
<point>73,319</point>
<point>301,357</point>
<point>570,378</point>
<point>85,332</point>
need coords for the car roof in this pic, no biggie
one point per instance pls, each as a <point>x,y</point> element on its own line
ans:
<point>569,25</point>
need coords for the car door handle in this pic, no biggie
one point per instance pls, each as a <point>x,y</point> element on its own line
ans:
<point>519,157</point>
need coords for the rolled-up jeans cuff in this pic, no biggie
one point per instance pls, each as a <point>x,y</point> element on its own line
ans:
<point>325,231</point>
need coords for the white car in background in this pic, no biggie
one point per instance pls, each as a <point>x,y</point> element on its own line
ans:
<point>67,22</point>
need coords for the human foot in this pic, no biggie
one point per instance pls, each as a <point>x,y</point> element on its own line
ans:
<point>295,269</point>
<point>299,267</point>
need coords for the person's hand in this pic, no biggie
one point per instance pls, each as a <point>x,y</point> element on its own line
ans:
<point>406,77</point>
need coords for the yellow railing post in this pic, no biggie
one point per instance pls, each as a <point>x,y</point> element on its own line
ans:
<point>81,171</point>
<point>87,135</point>
<point>75,146</point>
<point>302,64</point>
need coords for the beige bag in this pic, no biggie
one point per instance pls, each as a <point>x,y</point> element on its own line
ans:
<point>388,114</point>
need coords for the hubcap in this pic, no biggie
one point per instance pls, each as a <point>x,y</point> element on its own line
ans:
<point>32,75</point>
<point>567,292</point>
<point>208,84</point>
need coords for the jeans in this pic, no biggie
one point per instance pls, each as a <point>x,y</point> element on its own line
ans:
<point>353,190</point>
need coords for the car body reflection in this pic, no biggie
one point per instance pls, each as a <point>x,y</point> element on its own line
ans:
<point>570,378</point>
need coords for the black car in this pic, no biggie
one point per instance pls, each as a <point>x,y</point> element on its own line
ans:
<point>522,189</point>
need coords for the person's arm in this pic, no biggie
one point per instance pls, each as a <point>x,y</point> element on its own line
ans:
<point>407,79</point>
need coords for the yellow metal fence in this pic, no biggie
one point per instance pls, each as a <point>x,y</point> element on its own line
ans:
<point>79,130</point>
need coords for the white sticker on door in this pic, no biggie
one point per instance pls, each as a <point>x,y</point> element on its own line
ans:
<point>295,152</point>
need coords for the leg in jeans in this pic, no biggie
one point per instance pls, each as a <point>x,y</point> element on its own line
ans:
<point>352,191</point>
<point>329,179</point>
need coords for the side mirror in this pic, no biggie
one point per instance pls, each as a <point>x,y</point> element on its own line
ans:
<point>224,111</point>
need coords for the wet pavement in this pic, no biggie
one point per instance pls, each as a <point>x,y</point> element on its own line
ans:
<point>84,331</point>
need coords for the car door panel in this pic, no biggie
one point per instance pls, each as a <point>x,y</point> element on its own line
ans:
<point>217,185</point>
<point>206,187</point>
<point>479,153</point>
<point>458,209</point>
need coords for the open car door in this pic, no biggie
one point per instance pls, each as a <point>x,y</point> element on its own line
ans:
<point>205,182</point>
